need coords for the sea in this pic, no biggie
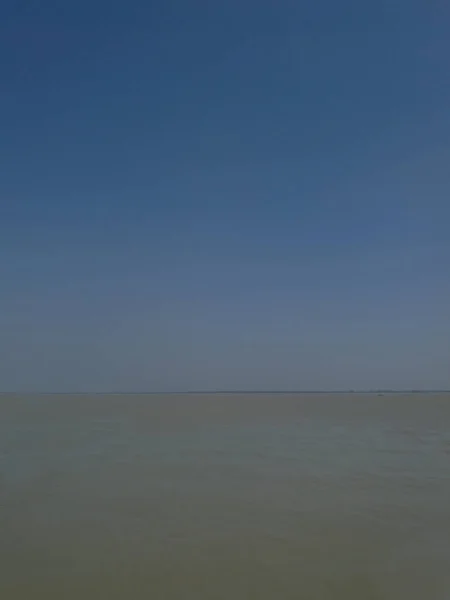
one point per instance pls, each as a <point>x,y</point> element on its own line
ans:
<point>243,496</point>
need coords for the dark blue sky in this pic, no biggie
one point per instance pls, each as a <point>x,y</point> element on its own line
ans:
<point>205,195</point>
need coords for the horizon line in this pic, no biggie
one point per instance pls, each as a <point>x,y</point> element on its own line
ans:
<point>225,391</point>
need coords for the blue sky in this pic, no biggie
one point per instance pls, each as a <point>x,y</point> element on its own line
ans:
<point>201,195</point>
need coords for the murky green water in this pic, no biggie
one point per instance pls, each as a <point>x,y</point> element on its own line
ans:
<point>225,497</point>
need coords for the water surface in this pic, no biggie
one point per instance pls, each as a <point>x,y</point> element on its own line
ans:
<point>225,497</point>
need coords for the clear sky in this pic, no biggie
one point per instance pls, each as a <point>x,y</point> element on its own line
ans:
<point>224,195</point>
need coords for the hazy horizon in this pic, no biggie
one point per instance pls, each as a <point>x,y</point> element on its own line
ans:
<point>231,392</point>
<point>224,196</point>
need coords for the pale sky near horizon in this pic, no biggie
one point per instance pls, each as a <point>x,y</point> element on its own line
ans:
<point>234,195</point>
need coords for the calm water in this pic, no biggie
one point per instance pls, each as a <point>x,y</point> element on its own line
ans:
<point>225,497</point>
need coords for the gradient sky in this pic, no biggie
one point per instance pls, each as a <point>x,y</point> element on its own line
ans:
<point>224,195</point>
